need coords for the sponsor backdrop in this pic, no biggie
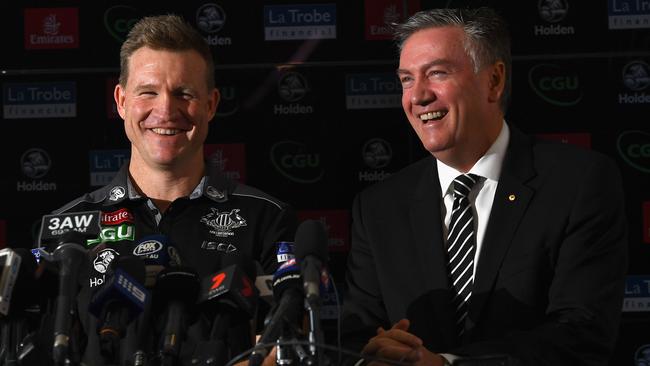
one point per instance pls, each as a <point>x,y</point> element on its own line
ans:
<point>311,105</point>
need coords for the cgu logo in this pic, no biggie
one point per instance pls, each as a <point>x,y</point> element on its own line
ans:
<point>228,104</point>
<point>634,149</point>
<point>114,233</point>
<point>119,19</point>
<point>295,162</point>
<point>555,85</point>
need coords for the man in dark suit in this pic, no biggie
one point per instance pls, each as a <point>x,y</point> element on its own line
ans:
<point>539,275</point>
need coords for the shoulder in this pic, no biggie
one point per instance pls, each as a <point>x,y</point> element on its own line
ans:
<point>256,196</point>
<point>401,185</point>
<point>85,202</point>
<point>568,158</point>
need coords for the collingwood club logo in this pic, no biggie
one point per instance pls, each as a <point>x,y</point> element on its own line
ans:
<point>104,259</point>
<point>117,193</point>
<point>222,223</point>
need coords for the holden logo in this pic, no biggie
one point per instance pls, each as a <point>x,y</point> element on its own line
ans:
<point>636,75</point>
<point>147,248</point>
<point>35,163</point>
<point>296,162</point>
<point>377,153</point>
<point>210,18</point>
<point>555,85</point>
<point>553,11</point>
<point>292,87</point>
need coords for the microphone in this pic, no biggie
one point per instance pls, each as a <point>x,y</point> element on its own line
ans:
<point>230,298</point>
<point>66,235</point>
<point>17,283</point>
<point>177,288</point>
<point>311,252</point>
<point>118,302</point>
<point>157,254</point>
<point>289,311</point>
<point>10,262</point>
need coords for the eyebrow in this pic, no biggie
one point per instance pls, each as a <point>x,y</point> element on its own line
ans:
<point>437,62</point>
<point>147,86</point>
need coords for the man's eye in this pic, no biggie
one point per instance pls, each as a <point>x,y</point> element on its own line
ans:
<point>406,80</point>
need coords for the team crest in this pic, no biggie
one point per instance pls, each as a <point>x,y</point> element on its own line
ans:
<point>104,259</point>
<point>221,224</point>
<point>117,193</point>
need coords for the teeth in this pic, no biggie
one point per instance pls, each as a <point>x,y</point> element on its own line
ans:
<point>432,115</point>
<point>165,131</point>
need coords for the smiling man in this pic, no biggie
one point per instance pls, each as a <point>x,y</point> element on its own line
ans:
<point>171,208</point>
<point>496,249</point>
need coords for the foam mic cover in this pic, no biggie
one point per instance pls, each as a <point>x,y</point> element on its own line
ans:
<point>176,291</point>
<point>311,252</point>
<point>232,286</point>
<point>123,292</point>
<point>311,239</point>
<point>157,254</point>
<point>289,310</point>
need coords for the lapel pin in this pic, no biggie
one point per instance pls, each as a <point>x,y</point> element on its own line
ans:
<point>512,197</point>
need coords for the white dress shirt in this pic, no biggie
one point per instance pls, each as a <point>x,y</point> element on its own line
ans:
<point>488,167</point>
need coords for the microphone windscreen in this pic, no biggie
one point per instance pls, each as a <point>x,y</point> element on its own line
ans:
<point>242,261</point>
<point>131,265</point>
<point>311,239</point>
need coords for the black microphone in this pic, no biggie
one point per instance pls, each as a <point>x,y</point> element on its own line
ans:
<point>71,256</point>
<point>156,254</point>
<point>66,235</point>
<point>228,298</point>
<point>17,284</point>
<point>177,290</point>
<point>118,302</point>
<point>289,311</point>
<point>311,252</point>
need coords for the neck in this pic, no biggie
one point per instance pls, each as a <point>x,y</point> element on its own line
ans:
<point>463,156</point>
<point>163,186</point>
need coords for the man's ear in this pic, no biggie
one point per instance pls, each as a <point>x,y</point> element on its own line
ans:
<point>497,81</point>
<point>118,95</point>
<point>213,102</point>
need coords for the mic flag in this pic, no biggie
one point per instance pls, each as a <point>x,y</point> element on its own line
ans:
<point>53,227</point>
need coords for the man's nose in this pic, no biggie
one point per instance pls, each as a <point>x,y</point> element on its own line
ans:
<point>422,94</point>
<point>166,105</point>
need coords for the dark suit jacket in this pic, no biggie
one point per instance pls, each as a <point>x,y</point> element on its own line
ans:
<point>550,278</point>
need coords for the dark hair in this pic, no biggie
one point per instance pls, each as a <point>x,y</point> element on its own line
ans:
<point>487,39</point>
<point>164,32</point>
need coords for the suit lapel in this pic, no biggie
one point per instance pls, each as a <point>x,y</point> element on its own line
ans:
<point>430,252</point>
<point>426,225</point>
<point>510,203</point>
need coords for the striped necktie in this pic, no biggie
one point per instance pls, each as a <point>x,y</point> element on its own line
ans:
<point>461,244</point>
